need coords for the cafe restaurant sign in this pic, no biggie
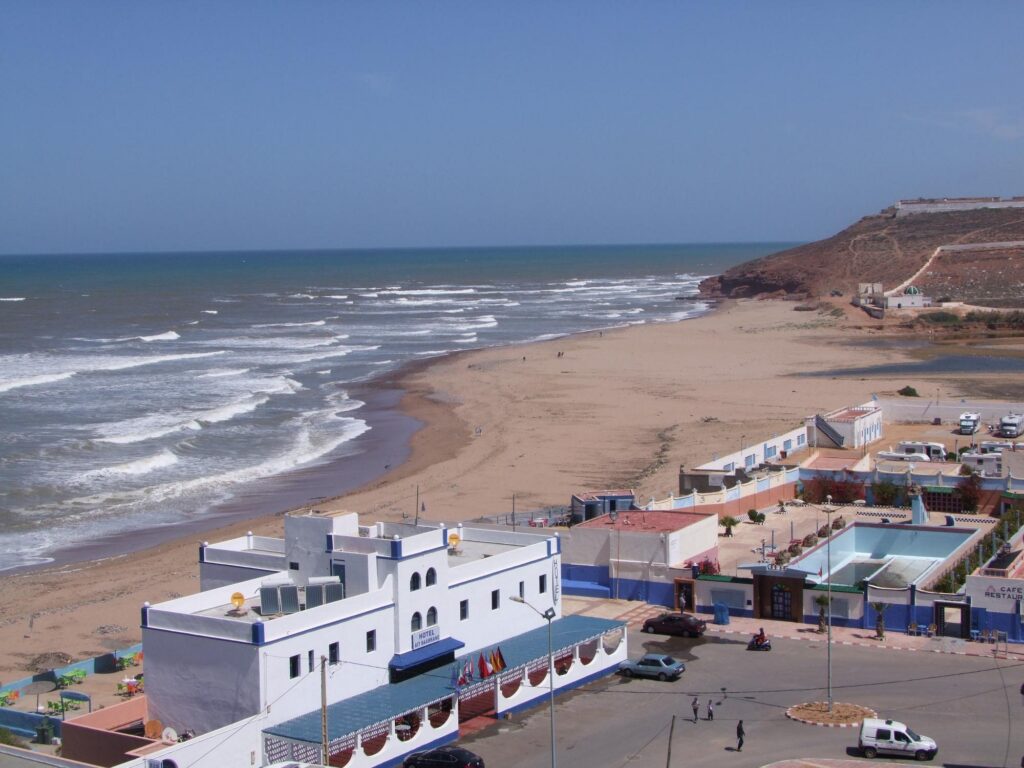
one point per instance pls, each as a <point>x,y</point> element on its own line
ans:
<point>995,594</point>
<point>425,637</point>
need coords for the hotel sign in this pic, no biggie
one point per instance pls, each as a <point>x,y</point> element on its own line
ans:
<point>425,637</point>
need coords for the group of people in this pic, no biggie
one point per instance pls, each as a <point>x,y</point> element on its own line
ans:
<point>740,733</point>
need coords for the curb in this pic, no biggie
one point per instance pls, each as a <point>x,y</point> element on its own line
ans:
<point>791,716</point>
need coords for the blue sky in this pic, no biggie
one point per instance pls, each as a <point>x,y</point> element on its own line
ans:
<point>184,126</point>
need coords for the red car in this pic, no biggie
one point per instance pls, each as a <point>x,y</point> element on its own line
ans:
<point>681,624</point>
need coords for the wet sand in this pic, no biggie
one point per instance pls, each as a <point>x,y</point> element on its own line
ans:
<point>621,408</point>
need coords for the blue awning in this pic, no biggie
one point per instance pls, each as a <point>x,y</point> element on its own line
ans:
<point>402,661</point>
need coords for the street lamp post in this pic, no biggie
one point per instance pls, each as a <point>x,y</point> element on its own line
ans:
<point>828,556</point>
<point>548,614</point>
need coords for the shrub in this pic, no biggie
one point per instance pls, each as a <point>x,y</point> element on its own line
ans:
<point>809,540</point>
<point>838,523</point>
<point>908,391</point>
<point>760,518</point>
<point>11,739</point>
<point>823,532</point>
<point>940,318</point>
<point>781,557</point>
<point>885,493</point>
<point>794,549</point>
<point>752,514</point>
<point>969,491</point>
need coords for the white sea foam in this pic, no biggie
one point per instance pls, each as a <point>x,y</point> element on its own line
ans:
<point>210,312</point>
<point>301,296</point>
<point>290,325</point>
<point>428,291</point>
<point>6,385</point>
<point>138,362</point>
<point>370,295</point>
<point>337,296</point>
<point>468,339</point>
<point>13,298</point>
<point>223,372</point>
<point>166,336</point>
<point>404,302</point>
<point>132,468</point>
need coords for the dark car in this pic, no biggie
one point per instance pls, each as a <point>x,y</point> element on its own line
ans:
<point>681,624</point>
<point>444,757</point>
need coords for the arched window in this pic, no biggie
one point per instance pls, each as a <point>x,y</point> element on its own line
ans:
<point>431,577</point>
<point>417,622</point>
<point>414,582</point>
<point>432,617</point>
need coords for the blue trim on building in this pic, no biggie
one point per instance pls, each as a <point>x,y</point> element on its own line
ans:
<point>145,616</point>
<point>396,549</point>
<point>258,633</point>
<point>330,543</point>
<point>453,737</point>
<point>444,538</point>
<point>403,661</point>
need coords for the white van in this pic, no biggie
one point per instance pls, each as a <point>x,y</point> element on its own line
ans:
<point>889,737</point>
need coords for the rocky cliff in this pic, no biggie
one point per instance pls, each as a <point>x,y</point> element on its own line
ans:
<point>877,249</point>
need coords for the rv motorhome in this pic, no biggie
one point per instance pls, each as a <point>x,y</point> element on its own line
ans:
<point>969,423</point>
<point>988,464</point>
<point>934,451</point>
<point>897,456</point>
<point>1012,425</point>
<point>994,446</point>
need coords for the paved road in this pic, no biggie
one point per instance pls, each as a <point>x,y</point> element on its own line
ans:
<point>971,706</point>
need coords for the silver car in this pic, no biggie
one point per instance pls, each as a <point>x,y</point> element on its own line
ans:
<point>653,665</point>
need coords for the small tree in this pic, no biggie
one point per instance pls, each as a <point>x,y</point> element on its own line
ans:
<point>885,493</point>
<point>880,619</point>
<point>752,514</point>
<point>822,602</point>
<point>969,491</point>
<point>908,391</point>
<point>728,522</point>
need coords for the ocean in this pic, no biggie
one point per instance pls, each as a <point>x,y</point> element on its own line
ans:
<point>141,392</point>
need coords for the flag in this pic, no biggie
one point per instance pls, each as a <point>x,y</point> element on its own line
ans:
<point>493,661</point>
<point>483,666</point>
<point>501,659</point>
<point>819,571</point>
<point>467,670</point>
<point>455,682</point>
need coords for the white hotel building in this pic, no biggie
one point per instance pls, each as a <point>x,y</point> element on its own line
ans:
<point>391,608</point>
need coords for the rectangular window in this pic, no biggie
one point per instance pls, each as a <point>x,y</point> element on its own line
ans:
<point>769,451</point>
<point>332,653</point>
<point>729,467</point>
<point>787,445</point>
<point>801,439</point>
<point>293,566</point>
<point>522,590</point>
<point>293,666</point>
<point>748,461</point>
<point>463,610</point>
<point>371,641</point>
<point>495,599</point>
<point>310,658</point>
<point>542,583</point>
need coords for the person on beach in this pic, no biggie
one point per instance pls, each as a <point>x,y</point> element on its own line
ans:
<point>711,711</point>
<point>740,733</point>
<point>696,708</point>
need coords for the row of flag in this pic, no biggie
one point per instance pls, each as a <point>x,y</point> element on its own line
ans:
<point>486,665</point>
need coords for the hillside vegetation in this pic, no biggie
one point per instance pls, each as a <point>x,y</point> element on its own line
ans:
<point>877,249</point>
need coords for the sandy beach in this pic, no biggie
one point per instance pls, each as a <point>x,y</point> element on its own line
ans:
<point>621,408</point>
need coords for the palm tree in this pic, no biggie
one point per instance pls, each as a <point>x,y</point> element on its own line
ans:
<point>822,602</point>
<point>729,523</point>
<point>880,620</point>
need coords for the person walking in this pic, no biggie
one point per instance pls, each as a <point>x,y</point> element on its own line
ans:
<point>696,708</point>
<point>711,711</point>
<point>740,733</point>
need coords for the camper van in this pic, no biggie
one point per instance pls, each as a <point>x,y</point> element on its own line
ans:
<point>934,451</point>
<point>1012,425</point>
<point>988,464</point>
<point>969,423</point>
<point>994,446</point>
<point>890,737</point>
<point>897,456</point>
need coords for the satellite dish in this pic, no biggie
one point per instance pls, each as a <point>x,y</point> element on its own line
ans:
<point>170,735</point>
<point>154,729</point>
<point>238,600</point>
<point>453,540</point>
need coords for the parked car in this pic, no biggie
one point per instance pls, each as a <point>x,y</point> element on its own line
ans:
<point>653,665</point>
<point>889,737</point>
<point>444,757</point>
<point>681,624</point>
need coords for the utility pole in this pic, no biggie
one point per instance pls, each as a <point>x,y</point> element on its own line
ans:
<point>417,518</point>
<point>671,729</point>
<point>513,513</point>
<point>323,711</point>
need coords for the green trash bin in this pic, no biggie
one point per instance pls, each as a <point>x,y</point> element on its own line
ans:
<point>44,731</point>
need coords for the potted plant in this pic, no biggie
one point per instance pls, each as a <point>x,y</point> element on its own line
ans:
<point>879,609</point>
<point>822,602</point>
